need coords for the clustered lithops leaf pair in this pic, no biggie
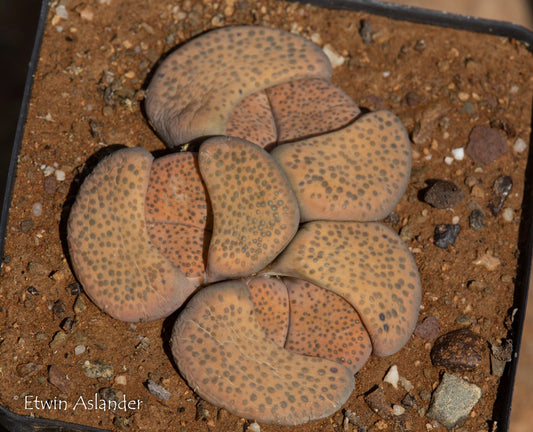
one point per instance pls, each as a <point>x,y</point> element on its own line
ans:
<point>266,234</point>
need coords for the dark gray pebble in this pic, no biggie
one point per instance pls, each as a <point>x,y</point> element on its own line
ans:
<point>429,329</point>
<point>366,32</point>
<point>446,234</point>
<point>443,194</point>
<point>74,288</point>
<point>202,411</point>
<point>458,350</point>
<point>485,145</point>
<point>476,220</point>
<point>453,400</point>
<point>157,390</point>
<point>67,324</point>
<point>33,291</point>
<point>502,188</point>
<point>59,309</point>
<point>409,400</point>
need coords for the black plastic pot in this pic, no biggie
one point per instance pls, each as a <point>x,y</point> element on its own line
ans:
<point>10,422</point>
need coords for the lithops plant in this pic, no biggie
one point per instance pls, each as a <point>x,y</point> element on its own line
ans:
<point>369,266</point>
<point>293,110</point>
<point>323,324</point>
<point>178,214</point>
<point>358,172</point>
<point>287,287</point>
<point>222,351</point>
<point>195,89</point>
<point>255,213</point>
<point>271,305</point>
<point>110,249</point>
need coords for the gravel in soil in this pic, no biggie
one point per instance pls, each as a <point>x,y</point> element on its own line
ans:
<point>95,62</point>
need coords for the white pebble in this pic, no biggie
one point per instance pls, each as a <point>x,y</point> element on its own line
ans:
<point>61,12</point>
<point>254,427</point>
<point>392,376</point>
<point>508,214</point>
<point>315,37</point>
<point>514,89</point>
<point>60,175</point>
<point>47,170</point>
<point>108,2</point>
<point>121,380</point>
<point>398,410</point>
<point>334,57</point>
<point>79,349</point>
<point>458,153</point>
<point>519,145</point>
<point>386,74</point>
<point>455,220</point>
<point>37,209</point>
<point>448,160</point>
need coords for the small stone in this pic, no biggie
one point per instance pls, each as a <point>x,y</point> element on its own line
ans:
<point>458,153</point>
<point>351,417</point>
<point>445,235</point>
<point>74,288</point>
<point>202,411</point>
<point>61,12</point>
<point>59,309</point>
<point>469,108</point>
<point>443,194</point>
<point>79,349</point>
<point>60,175</point>
<point>409,400</point>
<point>519,145</point>
<point>59,339</point>
<point>488,261</point>
<point>428,329</point>
<point>67,324</point>
<point>413,99</point>
<point>500,355</point>
<point>96,128</point>
<point>144,343</point>
<point>398,410</point>
<point>109,394</point>
<point>464,320</point>
<point>406,234</point>
<point>485,145</point>
<point>49,184</point>
<point>366,32</point>
<point>458,350</point>
<point>33,291</point>
<point>157,390</point>
<point>453,400</point>
<point>121,423</point>
<point>476,220</point>
<point>97,369</point>
<point>334,57</point>
<point>26,225</point>
<point>79,305</point>
<point>378,404</point>
<point>427,123</point>
<point>254,427</point>
<point>121,380</point>
<point>392,376</point>
<point>37,209</point>
<point>28,369</point>
<point>502,188</point>
<point>508,214</point>
<point>406,384</point>
<point>420,45</point>
<point>59,379</point>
